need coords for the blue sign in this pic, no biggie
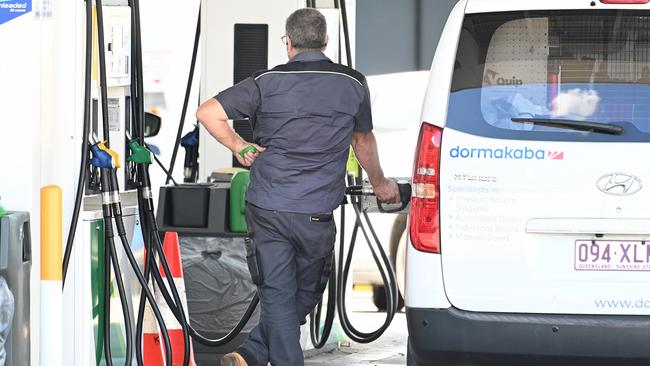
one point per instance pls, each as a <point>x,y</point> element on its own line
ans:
<point>11,9</point>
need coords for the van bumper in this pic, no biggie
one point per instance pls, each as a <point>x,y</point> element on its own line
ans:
<point>448,337</point>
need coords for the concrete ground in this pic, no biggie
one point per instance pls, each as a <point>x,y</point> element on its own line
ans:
<point>389,350</point>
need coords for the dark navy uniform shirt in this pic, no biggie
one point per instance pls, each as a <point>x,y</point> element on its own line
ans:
<point>303,113</point>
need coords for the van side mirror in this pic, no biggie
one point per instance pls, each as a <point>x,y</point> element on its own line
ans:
<point>152,124</point>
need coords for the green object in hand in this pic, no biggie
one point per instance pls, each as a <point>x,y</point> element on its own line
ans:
<point>248,149</point>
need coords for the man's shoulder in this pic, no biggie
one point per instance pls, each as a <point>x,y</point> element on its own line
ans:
<point>324,66</point>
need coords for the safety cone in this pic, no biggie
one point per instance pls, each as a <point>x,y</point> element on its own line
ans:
<point>152,348</point>
<point>172,251</point>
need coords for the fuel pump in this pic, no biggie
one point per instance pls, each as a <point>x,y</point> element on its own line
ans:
<point>99,159</point>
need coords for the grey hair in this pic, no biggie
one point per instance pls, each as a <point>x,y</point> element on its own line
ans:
<point>307,29</point>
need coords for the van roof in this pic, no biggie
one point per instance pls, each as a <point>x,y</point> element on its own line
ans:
<point>488,6</point>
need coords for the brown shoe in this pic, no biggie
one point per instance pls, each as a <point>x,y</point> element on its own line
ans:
<point>233,359</point>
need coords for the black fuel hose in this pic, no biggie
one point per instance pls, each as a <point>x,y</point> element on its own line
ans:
<point>81,183</point>
<point>147,268</point>
<point>319,339</point>
<point>102,71</point>
<point>110,258</point>
<point>344,262</point>
<point>346,33</point>
<point>148,295</point>
<point>126,309</point>
<point>144,190</point>
<point>386,271</point>
<point>107,304</point>
<point>150,263</point>
<point>340,287</point>
<point>188,90</point>
<point>143,282</point>
<point>182,319</point>
<point>107,189</point>
<point>138,128</point>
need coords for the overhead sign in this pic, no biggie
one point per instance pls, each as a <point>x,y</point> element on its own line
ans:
<point>11,9</point>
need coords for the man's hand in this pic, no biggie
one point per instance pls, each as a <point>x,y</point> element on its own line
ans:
<point>249,158</point>
<point>214,118</point>
<point>365,148</point>
<point>387,191</point>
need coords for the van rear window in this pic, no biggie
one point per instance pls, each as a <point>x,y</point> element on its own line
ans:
<point>517,68</point>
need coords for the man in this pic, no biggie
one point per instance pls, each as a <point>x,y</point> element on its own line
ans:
<point>305,114</point>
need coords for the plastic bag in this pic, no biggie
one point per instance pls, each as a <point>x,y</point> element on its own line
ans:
<point>6,317</point>
<point>217,283</point>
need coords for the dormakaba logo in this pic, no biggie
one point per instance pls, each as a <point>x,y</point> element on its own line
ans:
<point>494,78</point>
<point>525,153</point>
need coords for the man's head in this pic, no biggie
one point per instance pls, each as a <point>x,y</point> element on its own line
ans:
<point>306,31</point>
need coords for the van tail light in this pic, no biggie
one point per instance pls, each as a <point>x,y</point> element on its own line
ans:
<point>424,220</point>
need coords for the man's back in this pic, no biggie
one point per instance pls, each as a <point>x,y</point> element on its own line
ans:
<point>305,116</point>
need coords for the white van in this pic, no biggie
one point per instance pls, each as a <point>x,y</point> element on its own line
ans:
<point>529,230</point>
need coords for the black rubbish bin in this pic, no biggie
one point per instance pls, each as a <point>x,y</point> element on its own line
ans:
<point>15,267</point>
<point>218,289</point>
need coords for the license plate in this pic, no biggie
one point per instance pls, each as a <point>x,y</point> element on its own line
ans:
<point>605,255</point>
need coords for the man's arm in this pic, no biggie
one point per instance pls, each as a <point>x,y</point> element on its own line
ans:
<point>365,148</point>
<point>214,118</point>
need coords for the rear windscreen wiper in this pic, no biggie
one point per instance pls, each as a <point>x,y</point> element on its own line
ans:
<point>574,125</point>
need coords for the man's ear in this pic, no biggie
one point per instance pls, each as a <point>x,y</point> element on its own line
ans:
<point>327,41</point>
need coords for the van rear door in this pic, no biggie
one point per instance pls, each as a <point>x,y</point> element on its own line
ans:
<point>541,213</point>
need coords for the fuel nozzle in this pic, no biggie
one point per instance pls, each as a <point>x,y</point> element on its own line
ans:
<point>113,153</point>
<point>190,142</point>
<point>370,203</point>
<point>139,153</point>
<point>100,158</point>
